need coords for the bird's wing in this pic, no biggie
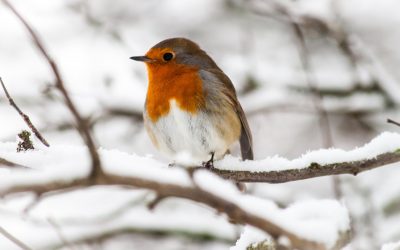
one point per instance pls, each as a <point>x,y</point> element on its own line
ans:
<point>246,140</point>
<point>221,82</point>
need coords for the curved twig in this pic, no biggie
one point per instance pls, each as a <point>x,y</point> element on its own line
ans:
<point>81,123</point>
<point>24,116</point>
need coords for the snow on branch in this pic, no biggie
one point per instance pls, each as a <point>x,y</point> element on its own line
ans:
<point>65,167</point>
<point>62,168</point>
<point>381,151</point>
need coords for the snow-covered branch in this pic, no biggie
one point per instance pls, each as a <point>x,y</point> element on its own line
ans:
<point>203,187</point>
<point>50,165</point>
<point>311,171</point>
<point>381,151</point>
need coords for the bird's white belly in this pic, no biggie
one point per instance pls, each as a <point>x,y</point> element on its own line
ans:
<point>181,134</point>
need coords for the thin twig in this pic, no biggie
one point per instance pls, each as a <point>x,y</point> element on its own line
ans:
<point>345,42</point>
<point>317,100</point>
<point>13,239</point>
<point>316,94</point>
<point>23,115</point>
<point>82,125</point>
<point>393,122</point>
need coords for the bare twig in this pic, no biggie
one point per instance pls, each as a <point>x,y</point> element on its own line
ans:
<point>305,62</point>
<point>59,83</point>
<point>23,115</point>
<point>324,124</point>
<point>317,98</point>
<point>346,42</point>
<point>393,122</point>
<point>16,241</point>
<point>296,23</point>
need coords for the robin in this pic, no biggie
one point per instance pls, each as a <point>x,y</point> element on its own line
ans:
<point>191,105</point>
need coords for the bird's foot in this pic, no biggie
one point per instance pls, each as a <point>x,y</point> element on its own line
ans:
<point>210,163</point>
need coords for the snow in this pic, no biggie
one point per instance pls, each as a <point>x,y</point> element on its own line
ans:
<point>126,164</point>
<point>116,210</point>
<point>250,235</point>
<point>69,162</point>
<point>384,143</point>
<point>321,221</point>
<point>391,246</point>
<point>46,164</point>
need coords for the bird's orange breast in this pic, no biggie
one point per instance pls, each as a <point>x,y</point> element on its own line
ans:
<point>173,82</point>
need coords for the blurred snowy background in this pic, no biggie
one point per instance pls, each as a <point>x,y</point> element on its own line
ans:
<point>336,92</point>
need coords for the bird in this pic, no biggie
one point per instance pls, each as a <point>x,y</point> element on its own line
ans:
<point>191,106</point>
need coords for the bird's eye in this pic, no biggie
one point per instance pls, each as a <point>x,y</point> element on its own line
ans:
<point>168,56</point>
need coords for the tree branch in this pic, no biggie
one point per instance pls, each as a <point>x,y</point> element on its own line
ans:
<point>312,171</point>
<point>59,83</point>
<point>234,211</point>
<point>194,193</point>
<point>23,115</point>
<point>335,30</point>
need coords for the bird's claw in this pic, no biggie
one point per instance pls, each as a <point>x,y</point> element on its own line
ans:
<point>208,164</point>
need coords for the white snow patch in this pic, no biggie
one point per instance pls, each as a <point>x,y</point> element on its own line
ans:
<point>118,162</point>
<point>250,235</point>
<point>320,221</point>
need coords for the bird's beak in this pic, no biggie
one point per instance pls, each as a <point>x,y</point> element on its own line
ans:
<point>141,58</point>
